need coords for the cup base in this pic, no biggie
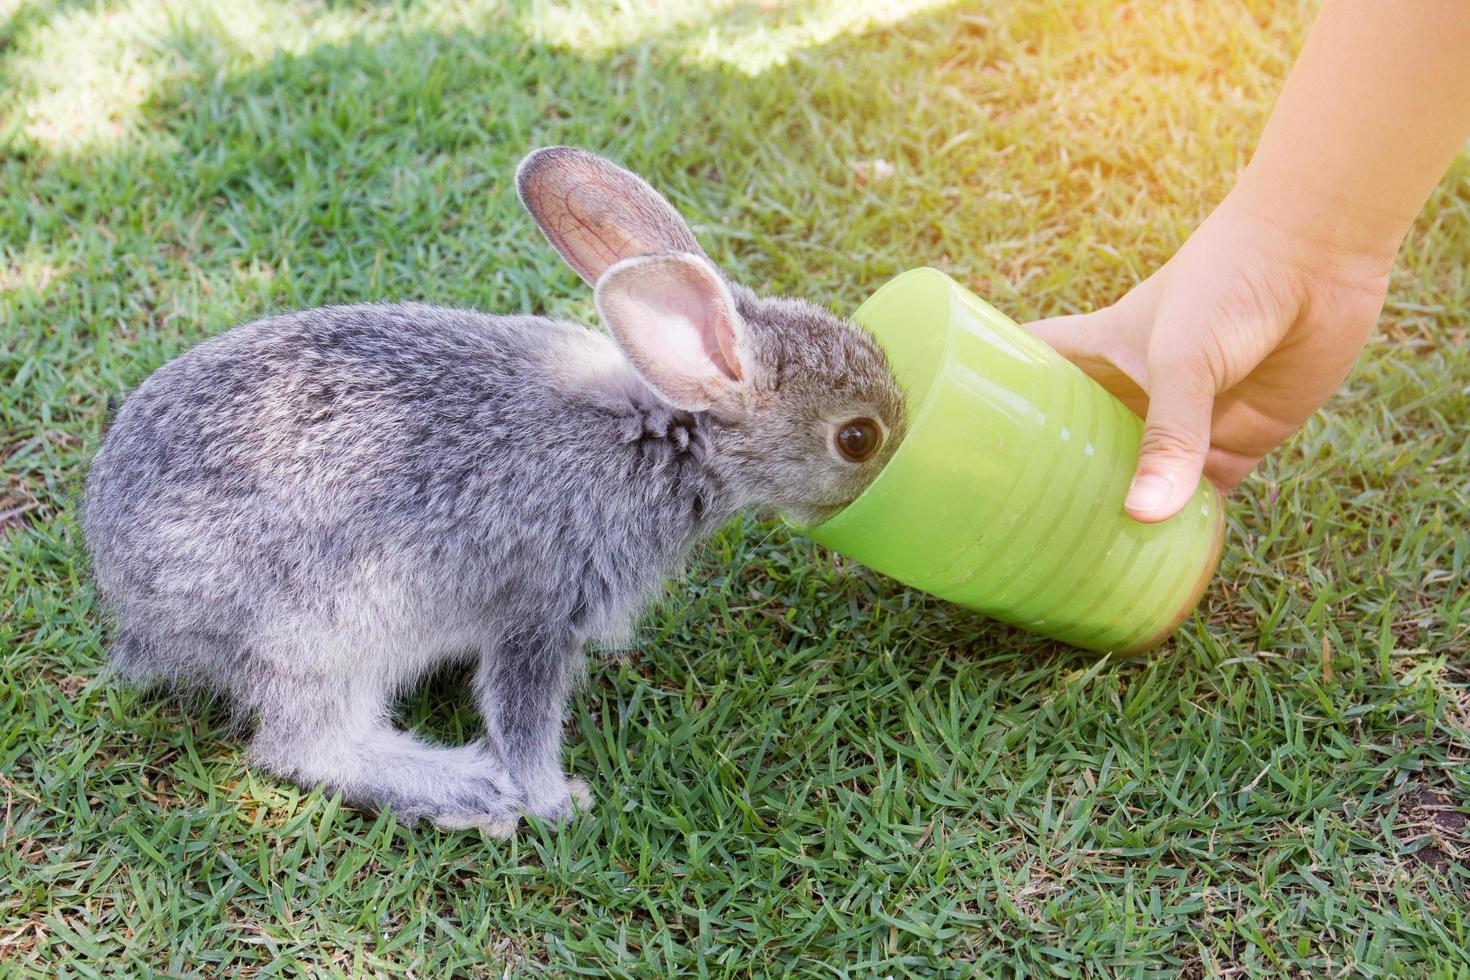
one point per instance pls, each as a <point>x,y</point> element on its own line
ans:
<point>1195,594</point>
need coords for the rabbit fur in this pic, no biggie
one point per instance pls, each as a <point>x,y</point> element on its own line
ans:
<point>309,513</point>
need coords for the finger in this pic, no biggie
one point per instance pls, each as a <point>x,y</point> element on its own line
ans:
<point>1071,334</point>
<point>1241,435</point>
<point>1226,469</point>
<point>1133,313</point>
<point>1109,346</point>
<point>1176,440</point>
<point>1079,332</point>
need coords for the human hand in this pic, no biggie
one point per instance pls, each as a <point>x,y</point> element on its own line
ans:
<point>1229,347</point>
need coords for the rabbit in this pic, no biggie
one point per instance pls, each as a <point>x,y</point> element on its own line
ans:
<point>308,513</point>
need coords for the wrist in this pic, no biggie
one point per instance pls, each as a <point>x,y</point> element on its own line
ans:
<point>1331,221</point>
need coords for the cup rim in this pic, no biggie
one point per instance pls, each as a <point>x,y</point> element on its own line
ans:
<point>915,415</point>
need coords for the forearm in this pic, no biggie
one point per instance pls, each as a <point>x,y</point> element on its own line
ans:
<point>1375,109</point>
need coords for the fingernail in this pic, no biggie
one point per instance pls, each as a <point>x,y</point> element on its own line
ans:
<point>1148,493</point>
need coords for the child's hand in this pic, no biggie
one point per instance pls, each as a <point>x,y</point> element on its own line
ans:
<point>1245,332</point>
<point>1228,348</point>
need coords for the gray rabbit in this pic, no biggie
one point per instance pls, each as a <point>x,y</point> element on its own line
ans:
<point>309,513</point>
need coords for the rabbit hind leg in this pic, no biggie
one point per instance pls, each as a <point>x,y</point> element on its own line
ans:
<point>340,737</point>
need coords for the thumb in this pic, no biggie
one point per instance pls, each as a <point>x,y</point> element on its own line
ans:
<point>1176,440</point>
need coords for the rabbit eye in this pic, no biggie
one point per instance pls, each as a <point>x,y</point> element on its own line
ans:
<point>858,439</point>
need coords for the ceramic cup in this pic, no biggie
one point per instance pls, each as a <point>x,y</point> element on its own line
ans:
<point>1006,495</point>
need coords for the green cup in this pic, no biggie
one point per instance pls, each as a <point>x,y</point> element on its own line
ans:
<point>1006,495</point>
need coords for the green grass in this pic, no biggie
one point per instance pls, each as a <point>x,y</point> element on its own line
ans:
<point>799,767</point>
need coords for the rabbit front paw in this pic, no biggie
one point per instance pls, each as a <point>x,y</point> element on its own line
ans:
<point>557,803</point>
<point>491,803</point>
<point>495,824</point>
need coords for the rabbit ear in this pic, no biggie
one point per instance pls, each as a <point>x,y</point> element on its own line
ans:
<point>596,213</point>
<point>674,317</point>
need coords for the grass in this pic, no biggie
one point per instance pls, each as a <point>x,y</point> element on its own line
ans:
<point>799,767</point>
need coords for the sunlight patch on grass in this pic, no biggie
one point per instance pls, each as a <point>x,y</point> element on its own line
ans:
<point>91,80</point>
<point>85,75</point>
<point>31,271</point>
<point>750,37</point>
<point>89,72</point>
<point>82,78</point>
